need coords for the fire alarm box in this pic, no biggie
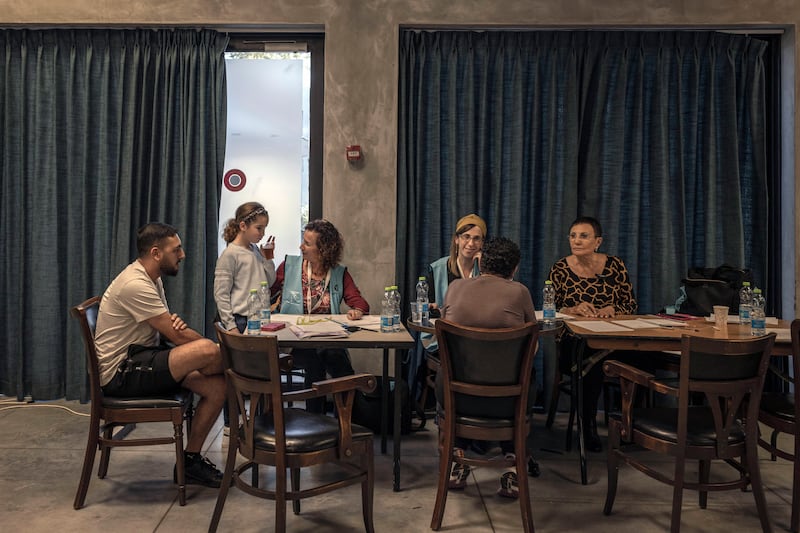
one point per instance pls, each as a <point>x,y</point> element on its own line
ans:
<point>353,153</point>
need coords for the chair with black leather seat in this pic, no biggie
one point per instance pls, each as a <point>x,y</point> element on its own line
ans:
<point>780,411</point>
<point>485,395</point>
<point>288,437</point>
<point>730,375</point>
<point>109,413</point>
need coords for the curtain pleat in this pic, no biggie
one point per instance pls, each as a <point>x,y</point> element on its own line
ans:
<point>102,131</point>
<point>660,135</point>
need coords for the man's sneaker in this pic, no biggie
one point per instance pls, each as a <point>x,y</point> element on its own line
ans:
<point>509,487</point>
<point>199,471</point>
<point>459,473</point>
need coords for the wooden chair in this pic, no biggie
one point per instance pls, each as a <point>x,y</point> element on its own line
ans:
<point>288,437</point>
<point>108,413</point>
<point>781,412</point>
<point>486,377</point>
<point>730,375</point>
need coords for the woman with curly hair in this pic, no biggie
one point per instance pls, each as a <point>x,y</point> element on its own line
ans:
<point>315,283</point>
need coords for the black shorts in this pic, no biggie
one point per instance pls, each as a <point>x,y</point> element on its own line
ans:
<point>144,373</point>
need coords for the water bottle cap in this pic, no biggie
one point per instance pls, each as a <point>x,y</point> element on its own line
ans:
<point>745,284</point>
<point>253,290</point>
<point>548,282</point>
<point>263,283</point>
<point>421,278</point>
<point>756,291</point>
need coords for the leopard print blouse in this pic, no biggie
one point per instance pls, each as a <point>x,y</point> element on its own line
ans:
<point>612,287</point>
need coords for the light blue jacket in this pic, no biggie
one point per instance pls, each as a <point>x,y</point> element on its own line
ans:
<point>292,293</point>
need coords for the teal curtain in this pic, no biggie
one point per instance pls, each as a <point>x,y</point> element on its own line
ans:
<point>660,135</point>
<point>102,131</point>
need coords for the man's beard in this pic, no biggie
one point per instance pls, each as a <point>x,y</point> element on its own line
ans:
<point>168,270</point>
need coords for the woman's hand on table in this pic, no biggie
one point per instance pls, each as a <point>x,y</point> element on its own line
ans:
<point>355,314</point>
<point>586,309</point>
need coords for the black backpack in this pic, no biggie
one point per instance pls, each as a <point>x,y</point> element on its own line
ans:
<point>704,287</point>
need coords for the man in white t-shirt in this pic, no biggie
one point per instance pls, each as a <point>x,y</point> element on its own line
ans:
<point>133,326</point>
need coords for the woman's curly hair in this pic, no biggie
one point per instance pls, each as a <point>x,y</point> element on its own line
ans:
<point>500,256</point>
<point>329,242</point>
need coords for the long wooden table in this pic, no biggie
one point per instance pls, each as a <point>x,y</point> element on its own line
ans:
<point>656,339</point>
<point>366,339</point>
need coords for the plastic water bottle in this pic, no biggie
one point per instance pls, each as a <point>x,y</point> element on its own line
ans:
<point>395,308</point>
<point>549,305</point>
<point>387,311</point>
<point>745,305</point>
<point>758,319</point>
<point>422,299</point>
<point>254,313</point>
<point>264,312</point>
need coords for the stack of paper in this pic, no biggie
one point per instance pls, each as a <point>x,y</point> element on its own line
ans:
<point>323,328</point>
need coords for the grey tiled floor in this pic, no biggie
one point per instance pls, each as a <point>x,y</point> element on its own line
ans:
<point>42,449</point>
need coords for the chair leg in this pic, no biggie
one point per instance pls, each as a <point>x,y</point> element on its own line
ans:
<point>280,499</point>
<point>570,422</point>
<point>367,489</point>
<point>230,463</point>
<point>677,493</point>
<point>180,470</point>
<point>105,452</point>
<point>88,463</point>
<point>295,473</point>
<point>773,440</point>
<point>704,471</point>
<point>524,489</point>
<point>445,463</point>
<point>554,395</point>
<point>613,466</point>
<point>794,526</point>
<point>755,482</point>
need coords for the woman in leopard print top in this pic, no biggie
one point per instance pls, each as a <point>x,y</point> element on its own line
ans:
<point>589,283</point>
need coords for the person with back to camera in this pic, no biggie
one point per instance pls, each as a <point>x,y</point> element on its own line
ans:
<point>315,283</point>
<point>133,324</point>
<point>242,266</point>
<point>463,262</point>
<point>491,300</point>
<point>589,283</point>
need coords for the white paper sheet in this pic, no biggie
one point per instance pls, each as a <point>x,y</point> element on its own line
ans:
<point>559,316</point>
<point>649,323</point>
<point>784,334</point>
<point>734,319</point>
<point>600,326</point>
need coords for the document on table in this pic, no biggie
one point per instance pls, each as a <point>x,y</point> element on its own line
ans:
<point>734,319</point>
<point>645,323</point>
<point>783,334</point>
<point>559,316</point>
<point>600,326</point>
<point>305,326</point>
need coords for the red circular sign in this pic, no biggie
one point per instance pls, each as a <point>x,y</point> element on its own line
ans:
<point>234,180</point>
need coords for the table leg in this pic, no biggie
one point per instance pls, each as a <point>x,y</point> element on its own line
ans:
<point>398,360</point>
<point>577,390</point>
<point>385,400</point>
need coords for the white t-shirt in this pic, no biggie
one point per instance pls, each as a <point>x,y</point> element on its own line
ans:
<point>131,299</point>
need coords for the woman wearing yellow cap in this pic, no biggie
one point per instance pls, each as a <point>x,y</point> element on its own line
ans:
<point>465,252</point>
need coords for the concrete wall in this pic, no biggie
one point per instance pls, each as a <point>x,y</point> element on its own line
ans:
<point>361,74</point>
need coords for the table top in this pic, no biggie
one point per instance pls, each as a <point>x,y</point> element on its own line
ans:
<point>358,339</point>
<point>666,338</point>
